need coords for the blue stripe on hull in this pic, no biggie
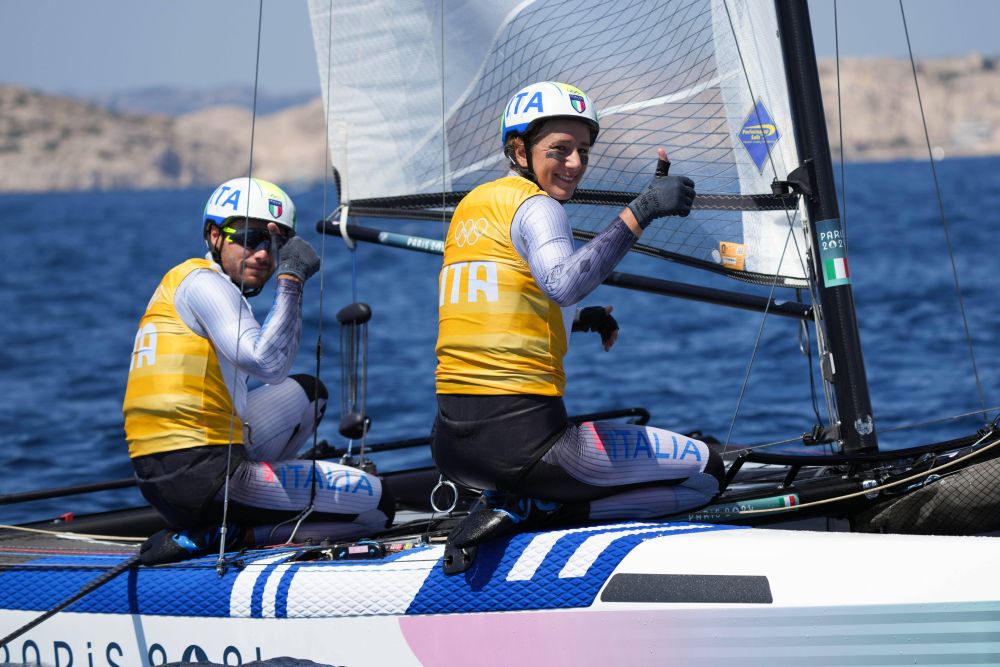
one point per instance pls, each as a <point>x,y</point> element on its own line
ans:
<point>485,586</point>
<point>194,588</point>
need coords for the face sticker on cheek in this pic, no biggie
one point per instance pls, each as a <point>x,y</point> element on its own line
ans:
<point>561,156</point>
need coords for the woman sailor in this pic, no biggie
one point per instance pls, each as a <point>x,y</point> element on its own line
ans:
<point>508,287</point>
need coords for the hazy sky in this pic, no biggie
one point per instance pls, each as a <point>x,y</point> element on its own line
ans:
<point>87,46</point>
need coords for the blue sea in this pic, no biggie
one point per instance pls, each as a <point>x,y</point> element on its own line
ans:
<point>78,270</point>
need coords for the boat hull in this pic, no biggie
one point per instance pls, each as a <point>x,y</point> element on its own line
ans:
<point>635,593</point>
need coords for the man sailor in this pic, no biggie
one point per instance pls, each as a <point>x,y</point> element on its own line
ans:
<point>191,421</point>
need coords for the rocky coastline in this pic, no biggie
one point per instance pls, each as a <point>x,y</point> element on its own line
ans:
<point>50,143</point>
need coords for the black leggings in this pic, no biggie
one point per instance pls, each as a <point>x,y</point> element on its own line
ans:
<point>527,445</point>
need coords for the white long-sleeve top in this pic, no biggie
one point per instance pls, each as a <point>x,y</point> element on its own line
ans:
<point>212,306</point>
<point>542,235</point>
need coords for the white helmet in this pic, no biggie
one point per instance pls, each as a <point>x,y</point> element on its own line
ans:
<point>545,100</point>
<point>250,198</point>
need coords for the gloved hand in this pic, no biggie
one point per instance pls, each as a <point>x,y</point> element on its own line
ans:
<point>597,318</point>
<point>665,195</point>
<point>297,258</point>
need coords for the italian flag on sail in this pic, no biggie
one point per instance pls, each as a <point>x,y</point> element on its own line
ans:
<point>835,269</point>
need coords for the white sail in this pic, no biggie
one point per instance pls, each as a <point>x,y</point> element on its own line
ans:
<point>413,92</point>
<point>759,117</point>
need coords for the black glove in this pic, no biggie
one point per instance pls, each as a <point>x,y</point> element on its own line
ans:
<point>665,195</point>
<point>297,258</point>
<point>596,318</point>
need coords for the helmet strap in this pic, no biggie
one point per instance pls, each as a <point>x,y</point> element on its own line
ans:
<point>524,172</point>
<point>250,293</point>
<point>511,153</point>
<point>215,251</point>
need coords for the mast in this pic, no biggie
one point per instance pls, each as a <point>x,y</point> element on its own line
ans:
<point>828,252</point>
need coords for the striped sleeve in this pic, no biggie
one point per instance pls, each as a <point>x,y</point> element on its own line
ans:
<point>542,235</point>
<point>211,305</point>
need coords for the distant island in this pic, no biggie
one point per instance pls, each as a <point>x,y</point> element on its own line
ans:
<point>56,143</point>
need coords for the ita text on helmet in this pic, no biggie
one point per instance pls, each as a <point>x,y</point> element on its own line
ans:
<point>252,198</point>
<point>534,104</point>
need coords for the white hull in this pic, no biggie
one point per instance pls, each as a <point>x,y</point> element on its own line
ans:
<point>750,597</point>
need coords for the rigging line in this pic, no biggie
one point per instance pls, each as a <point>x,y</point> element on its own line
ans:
<point>444,138</point>
<point>944,222</point>
<point>444,189</point>
<point>239,319</point>
<point>840,127</point>
<point>327,165</point>
<point>774,169</point>
<point>806,349</point>
<point>444,225</point>
<point>939,420</point>
<point>73,536</point>
<point>774,443</point>
<point>781,259</point>
<point>813,294</point>
<point>322,254</point>
<point>883,429</point>
<point>770,153</point>
<point>52,567</point>
<point>810,284</point>
<point>89,587</point>
<point>805,345</point>
<point>308,509</point>
<point>346,377</point>
<point>880,487</point>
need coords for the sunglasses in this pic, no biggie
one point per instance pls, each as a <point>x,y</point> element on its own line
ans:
<point>254,240</point>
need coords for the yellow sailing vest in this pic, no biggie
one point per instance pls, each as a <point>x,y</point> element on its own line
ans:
<point>497,331</point>
<point>175,397</point>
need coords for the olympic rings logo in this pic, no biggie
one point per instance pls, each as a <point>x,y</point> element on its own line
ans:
<point>468,232</point>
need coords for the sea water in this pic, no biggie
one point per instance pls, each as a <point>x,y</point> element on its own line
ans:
<point>78,270</point>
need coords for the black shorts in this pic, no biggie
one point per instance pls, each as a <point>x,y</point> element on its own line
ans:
<point>182,485</point>
<point>492,442</point>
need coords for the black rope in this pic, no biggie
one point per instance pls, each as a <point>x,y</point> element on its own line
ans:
<point>442,200</point>
<point>944,223</point>
<point>444,135</point>
<point>931,422</point>
<point>791,235</point>
<point>224,526</point>
<point>308,509</point>
<point>87,588</point>
<point>840,127</point>
<point>805,345</point>
<point>322,253</point>
<point>751,277</point>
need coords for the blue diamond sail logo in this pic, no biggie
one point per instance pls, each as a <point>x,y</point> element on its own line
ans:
<point>759,134</point>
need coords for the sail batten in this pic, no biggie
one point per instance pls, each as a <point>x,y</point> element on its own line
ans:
<point>415,111</point>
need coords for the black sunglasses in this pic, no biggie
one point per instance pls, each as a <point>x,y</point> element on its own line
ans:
<point>254,240</point>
